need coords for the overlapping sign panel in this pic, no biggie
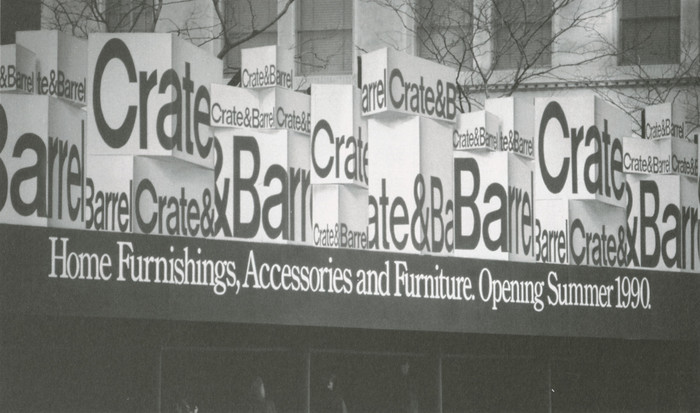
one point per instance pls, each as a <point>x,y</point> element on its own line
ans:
<point>150,141</point>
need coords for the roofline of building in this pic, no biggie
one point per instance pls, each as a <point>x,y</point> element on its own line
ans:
<point>586,84</point>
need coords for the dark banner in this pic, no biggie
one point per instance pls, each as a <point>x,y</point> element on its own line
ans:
<point>84,273</point>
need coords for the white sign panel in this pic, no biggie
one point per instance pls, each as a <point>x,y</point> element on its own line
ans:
<point>552,231</point>
<point>172,197</point>
<point>108,189</point>
<point>597,235</point>
<point>269,108</point>
<point>397,82</point>
<point>285,109</point>
<point>579,149</point>
<point>494,206</point>
<point>338,136</point>
<point>476,130</point>
<point>235,107</point>
<point>150,96</point>
<point>662,222</point>
<point>517,124</point>
<point>662,156</point>
<point>41,161</point>
<point>340,216</point>
<point>263,185</point>
<point>665,120</point>
<point>17,66</point>
<point>259,69</point>
<point>411,185</point>
<point>61,64</point>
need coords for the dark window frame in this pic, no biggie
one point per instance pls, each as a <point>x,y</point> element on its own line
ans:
<point>237,30</point>
<point>18,15</point>
<point>509,55</point>
<point>312,61</point>
<point>454,20</point>
<point>639,52</point>
<point>129,15</point>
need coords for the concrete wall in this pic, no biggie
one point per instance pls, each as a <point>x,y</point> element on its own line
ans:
<point>376,26</point>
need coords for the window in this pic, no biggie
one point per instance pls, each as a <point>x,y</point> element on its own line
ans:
<point>479,383</point>
<point>522,33</point>
<point>375,381</point>
<point>130,15</point>
<point>324,40</point>
<point>445,31</point>
<point>221,379</point>
<point>650,32</point>
<point>17,15</point>
<point>244,16</point>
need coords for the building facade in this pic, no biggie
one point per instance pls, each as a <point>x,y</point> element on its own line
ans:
<point>139,279</point>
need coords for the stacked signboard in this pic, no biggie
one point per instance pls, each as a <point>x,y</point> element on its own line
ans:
<point>42,130</point>
<point>150,163</point>
<point>339,174</point>
<point>410,107</point>
<point>17,69</point>
<point>263,180</point>
<point>662,194</point>
<point>109,135</point>
<point>580,182</point>
<point>494,181</point>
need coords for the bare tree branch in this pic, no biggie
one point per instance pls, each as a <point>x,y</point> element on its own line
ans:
<point>649,84</point>
<point>230,44</point>
<point>499,45</point>
<point>82,17</point>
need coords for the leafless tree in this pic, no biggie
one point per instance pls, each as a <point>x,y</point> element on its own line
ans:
<point>81,17</point>
<point>634,83</point>
<point>498,45</point>
<point>230,40</point>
